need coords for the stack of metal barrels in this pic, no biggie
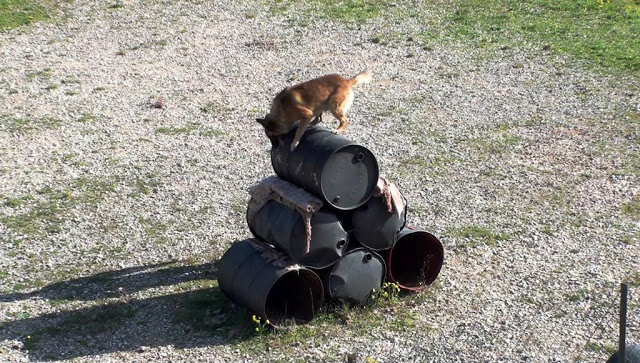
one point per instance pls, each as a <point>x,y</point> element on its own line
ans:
<point>356,242</point>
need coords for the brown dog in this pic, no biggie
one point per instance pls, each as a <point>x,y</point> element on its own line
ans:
<point>307,101</point>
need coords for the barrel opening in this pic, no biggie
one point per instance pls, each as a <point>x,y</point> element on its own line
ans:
<point>294,298</point>
<point>416,260</point>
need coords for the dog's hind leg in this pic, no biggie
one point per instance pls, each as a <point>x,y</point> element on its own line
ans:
<point>343,122</point>
<point>341,103</point>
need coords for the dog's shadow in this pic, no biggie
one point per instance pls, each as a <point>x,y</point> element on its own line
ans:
<point>116,315</point>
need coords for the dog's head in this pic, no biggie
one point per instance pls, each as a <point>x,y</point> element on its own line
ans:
<point>273,129</point>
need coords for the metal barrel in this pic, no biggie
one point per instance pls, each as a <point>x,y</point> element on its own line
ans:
<point>631,355</point>
<point>285,228</point>
<point>374,226</point>
<point>334,168</point>
<point>415,259</point>
<point>256,276</point>
<point>353,278</point>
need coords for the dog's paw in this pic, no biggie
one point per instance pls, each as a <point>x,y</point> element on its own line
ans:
<point>338,132</point>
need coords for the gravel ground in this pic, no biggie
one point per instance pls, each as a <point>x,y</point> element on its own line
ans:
<point>522,163</point>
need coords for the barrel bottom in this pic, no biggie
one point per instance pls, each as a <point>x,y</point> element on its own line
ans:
<point>415,260</point>
<point>294,298</point>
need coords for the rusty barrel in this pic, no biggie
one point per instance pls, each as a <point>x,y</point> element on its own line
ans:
<point>374,226</point>
<point>265,281</point>
<point>334,168</point>
<point>283,227</point>
<point>415,259</point>
<point>353,278</point>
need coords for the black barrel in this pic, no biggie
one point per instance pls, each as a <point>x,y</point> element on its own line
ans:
<point>415,259</point>
<point>353,278</point>
<point>285,228</point>
<point>631,355</point>
<point>374,226</point>
<point>255,275</point>
<point>332,167</point>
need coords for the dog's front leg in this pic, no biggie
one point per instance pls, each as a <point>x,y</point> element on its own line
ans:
<point>302,127</point>
<point>317,120</point>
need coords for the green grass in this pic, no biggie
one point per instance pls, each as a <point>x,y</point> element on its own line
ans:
<point>358,11</point>
<point>604,348</point>
<point>577,295</point>
<point>208,310</point>
<point>42,74</point>
<point>478,234</point>
<point>145,185</point>
<point>177,130</point>
<point>87,117</point>
<point>601,33</point>
<point>16,13</point>
<point>188,129</point>
<point>154,229</point>
<point>22,125</point>
<point>47,211</point>
<point>632,209</point>
<point>502,143</point>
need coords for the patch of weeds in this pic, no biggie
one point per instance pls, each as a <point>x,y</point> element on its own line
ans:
<point>146,45</point>
<point>43,74</point>
<point>426,164</point>
<point>147,185</point>
<point>13,202</point>
<point>632,209</point>
<point>578,295</point>
<point>393,111</point>
<point>48,212</point>
<point>51,87</point>
<point>28,284</point>
<point>99,89</point>
<point>601,348</point>
<point>3,275</point>
<point>21,125</point>
<point>634,280</point>
<point>211,133</point>
<point>87,117</point>
<point>478,234</point>
<point>154,229</point>
<point>359,11</point>
<point>489,146</point>
<point>116,5</point>
<point>631,239</point>
<point>177,130</point>
<point>211,107</point>
<point>16,13</point>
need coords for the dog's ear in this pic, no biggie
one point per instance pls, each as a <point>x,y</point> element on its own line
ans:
<point>262,121</point>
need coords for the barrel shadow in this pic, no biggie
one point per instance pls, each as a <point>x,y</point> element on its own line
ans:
<point>116,322</point>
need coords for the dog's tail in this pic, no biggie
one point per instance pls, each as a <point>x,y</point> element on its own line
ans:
<point>363,77</point>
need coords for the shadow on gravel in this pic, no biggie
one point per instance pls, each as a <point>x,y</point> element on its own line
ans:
<point>189,319</point>
<point>116,283</point>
